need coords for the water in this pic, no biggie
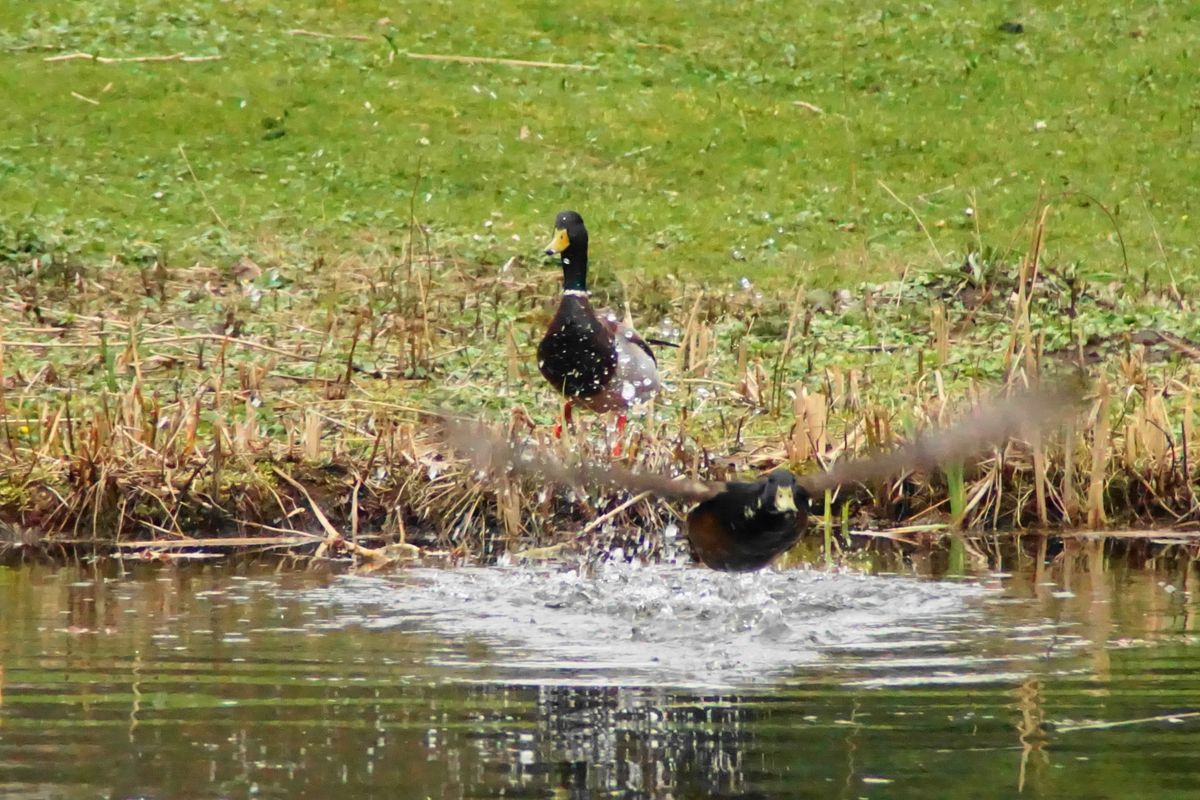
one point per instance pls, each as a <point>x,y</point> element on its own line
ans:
<point>1079,681</point>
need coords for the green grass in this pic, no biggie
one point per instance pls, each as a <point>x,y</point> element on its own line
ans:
<point>684,149</point>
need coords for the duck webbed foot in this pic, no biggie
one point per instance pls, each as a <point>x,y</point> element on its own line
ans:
<point>566,418</point>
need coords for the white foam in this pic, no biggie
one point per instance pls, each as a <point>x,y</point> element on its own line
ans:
<point>630,624</point>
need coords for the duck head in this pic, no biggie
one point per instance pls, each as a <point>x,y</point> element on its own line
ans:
<point>779,492</point>
<point>570,244</point>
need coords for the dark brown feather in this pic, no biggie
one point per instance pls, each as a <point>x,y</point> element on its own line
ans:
<point>492,452</point>
<point>742,528</point>
<point>990,424</point>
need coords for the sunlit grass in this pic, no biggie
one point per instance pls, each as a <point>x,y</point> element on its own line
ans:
<point>687,149</point>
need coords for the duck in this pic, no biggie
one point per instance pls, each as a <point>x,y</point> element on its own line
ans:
<point>590,356</point>
<point>742,526</point>
<point>746,525</point>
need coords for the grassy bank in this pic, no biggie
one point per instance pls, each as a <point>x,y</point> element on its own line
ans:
<point>234,280</point>
<point>258,399</point>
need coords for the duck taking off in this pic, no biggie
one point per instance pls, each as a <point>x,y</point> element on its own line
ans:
<point>745,525</point>
<point>591,357</point>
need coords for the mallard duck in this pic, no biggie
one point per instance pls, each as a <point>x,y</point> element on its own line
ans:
<point>745,525</point>
<point>741,526</point>
<point>590,356</point>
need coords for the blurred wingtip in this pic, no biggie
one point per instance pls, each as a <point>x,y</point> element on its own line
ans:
<point>1026,411</point>
<point>491,452</point>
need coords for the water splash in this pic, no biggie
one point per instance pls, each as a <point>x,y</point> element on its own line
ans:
<point>631,624</point>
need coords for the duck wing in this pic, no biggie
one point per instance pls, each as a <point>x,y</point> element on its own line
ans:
<point>623,329</point>
<point>491,451</point>
<point>991,424</point>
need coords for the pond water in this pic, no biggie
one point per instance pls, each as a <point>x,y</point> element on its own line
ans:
<point>1077,680</point>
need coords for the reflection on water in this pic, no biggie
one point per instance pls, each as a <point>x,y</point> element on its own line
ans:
<point>215,682</point>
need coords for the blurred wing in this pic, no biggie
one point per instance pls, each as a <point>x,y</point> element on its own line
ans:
<point>989,425</point>
<point>491,451</point>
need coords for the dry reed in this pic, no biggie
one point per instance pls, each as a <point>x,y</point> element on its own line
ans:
<point>285,418</point>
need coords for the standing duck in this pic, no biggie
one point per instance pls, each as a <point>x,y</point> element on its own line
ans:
<point>591,357</point>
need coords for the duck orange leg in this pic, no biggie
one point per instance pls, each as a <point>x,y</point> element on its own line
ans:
<point>621,422</point>
<point>566,417</point>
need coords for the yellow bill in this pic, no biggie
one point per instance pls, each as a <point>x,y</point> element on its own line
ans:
<point>559,243</point>
<point>784,500</point>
